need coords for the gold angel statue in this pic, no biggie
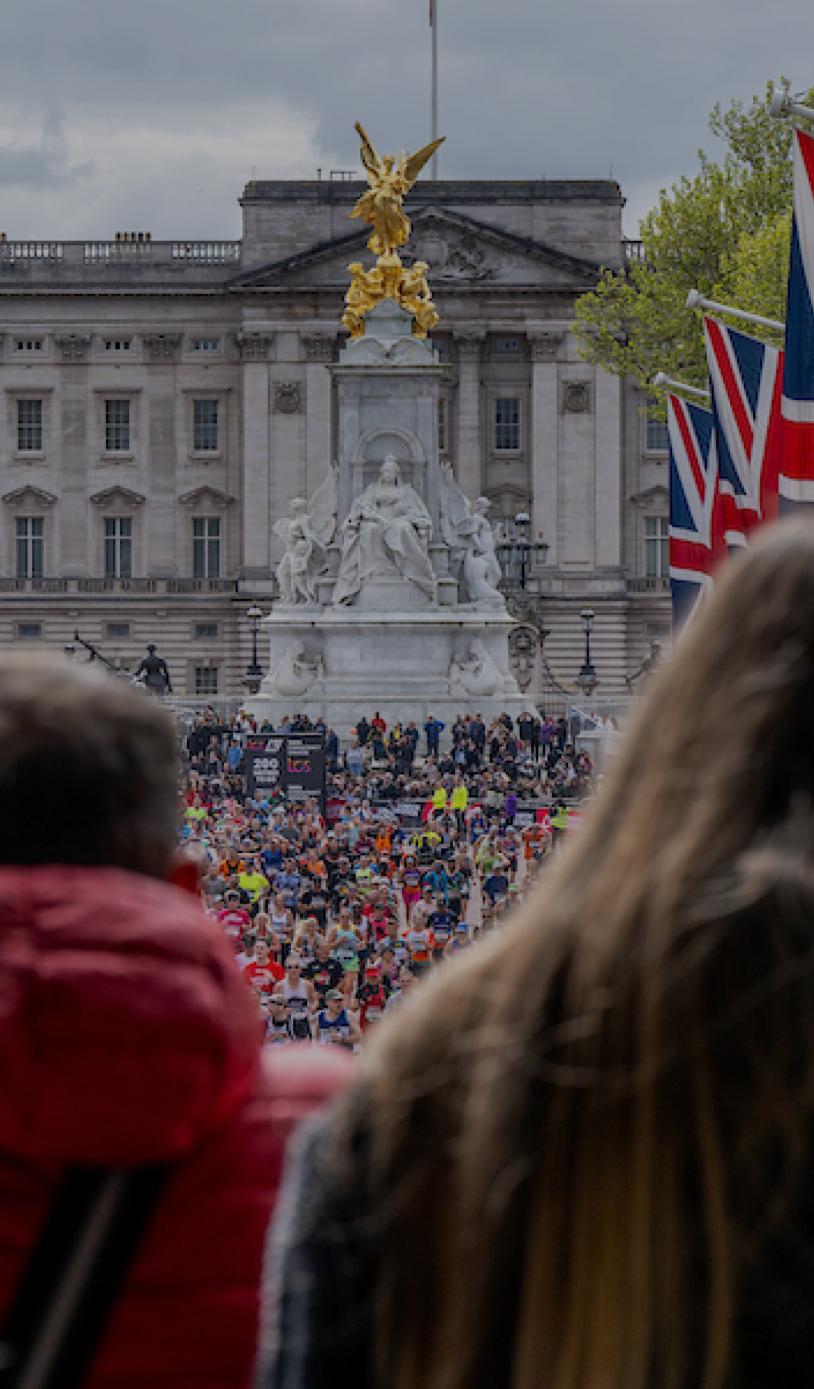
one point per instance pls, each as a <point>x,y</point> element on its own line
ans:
<point>390,178</point>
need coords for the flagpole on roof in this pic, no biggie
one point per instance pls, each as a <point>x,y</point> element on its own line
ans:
<point>783,104</point>
<point>434,83</point>
<point>696,300</point>
<point>660,380</point>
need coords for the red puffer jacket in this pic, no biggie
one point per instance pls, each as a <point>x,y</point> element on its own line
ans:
<point>128,1036</point>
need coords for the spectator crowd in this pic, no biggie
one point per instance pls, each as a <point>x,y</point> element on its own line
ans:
<point>426,838</point>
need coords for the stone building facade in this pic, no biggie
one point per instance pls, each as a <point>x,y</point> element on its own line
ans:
<point>162,402</point>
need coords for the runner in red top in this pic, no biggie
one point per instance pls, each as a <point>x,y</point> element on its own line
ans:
<point>263,972</point>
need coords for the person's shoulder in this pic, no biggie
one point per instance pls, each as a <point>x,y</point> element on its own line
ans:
<point>299,1080</point>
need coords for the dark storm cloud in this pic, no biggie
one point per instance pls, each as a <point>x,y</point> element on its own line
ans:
<point>561,88</point>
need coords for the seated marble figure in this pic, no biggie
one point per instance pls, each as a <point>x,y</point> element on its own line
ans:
<point>385,533</point>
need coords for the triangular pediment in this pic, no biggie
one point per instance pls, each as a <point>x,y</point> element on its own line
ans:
<point>651,496</point>
<point>206,497</point>
<point>29,496</point>
<point>117,496</point>
<point>459,251</point>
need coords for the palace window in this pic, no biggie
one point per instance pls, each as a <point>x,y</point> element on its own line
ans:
<point>28,344</point>
<point>29,631</point>
<point>117,426</point>
<point>656,547</point>
<point>204,426</point>
<point>29,426</point>
<point>118,344</point>
<point>206,547</point>
<point>507,424</point>
<point>507,347</point>
<point>206,631</point>
<point>206,680</point>
<point>117,631</point>
<point>656,438</point>
<point>205,345</point>
<point>30,541</point>
<point>118,547</point>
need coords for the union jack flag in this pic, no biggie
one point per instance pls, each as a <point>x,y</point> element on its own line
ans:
<point>692,495</point>
<point>796,483</point>
<point>745,378</point>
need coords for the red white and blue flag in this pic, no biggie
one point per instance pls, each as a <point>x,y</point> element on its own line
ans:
<point>745,380</point>
<point>796,482</point>
<point>692,497</point>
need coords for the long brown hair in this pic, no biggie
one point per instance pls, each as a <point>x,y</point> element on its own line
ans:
<point>582,1137</point>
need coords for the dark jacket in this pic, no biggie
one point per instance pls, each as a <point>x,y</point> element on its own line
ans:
<point>322,1271</point>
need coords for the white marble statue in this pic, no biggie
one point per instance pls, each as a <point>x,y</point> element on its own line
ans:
<point>295,672</point>
<point>385,533</point>
<point>476,673</point>
<point>306,533</point>
<point>465,527</point>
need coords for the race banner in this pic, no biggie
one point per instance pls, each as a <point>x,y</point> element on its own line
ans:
<point>305,771</point>
<point>289,764</point>
<point>265,765</point>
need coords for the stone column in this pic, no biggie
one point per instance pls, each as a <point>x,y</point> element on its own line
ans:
<point>319,352</point>
<point>470,443</point>
<point>608,504</point>
<point>73,403</point>
<point>544,349</point>
<point>159,453</point>
<point>254,350</point>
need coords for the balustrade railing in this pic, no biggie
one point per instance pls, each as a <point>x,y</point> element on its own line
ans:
<point>133,586</point>
<point>33,585</point>
<point>84,254</point>
<point>207,252</point>
<point>27,251</point>
<point>648,585</point>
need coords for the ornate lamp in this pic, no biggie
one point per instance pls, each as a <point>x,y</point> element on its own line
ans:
<point>587,678</point>
<point>254,672</point>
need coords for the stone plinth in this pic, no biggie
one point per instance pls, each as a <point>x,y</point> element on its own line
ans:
<point>338,663</point>
<point>387,397</point>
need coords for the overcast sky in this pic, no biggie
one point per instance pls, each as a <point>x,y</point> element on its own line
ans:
<point>152,114</point>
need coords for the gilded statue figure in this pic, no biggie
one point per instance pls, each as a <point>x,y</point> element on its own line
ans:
<point>390,178</point>
<point>364,291</point>
<point>414,296</point>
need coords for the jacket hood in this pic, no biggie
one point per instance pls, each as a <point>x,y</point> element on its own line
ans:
<point>126,1032</point>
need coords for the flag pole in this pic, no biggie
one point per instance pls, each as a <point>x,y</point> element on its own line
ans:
<point>783,104</point>
<point>434,83</point>
<point>660,380</point>
<point>696,300</point>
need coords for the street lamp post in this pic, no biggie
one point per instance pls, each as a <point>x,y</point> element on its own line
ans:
<point>518,554</point>
<point>587,679</point>
<point>254,672</point>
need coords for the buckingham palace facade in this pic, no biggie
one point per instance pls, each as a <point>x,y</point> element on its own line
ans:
<point>162,402</point>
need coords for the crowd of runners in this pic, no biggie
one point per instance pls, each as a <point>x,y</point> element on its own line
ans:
<point>426,838</point>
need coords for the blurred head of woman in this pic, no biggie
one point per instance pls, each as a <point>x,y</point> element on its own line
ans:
<point>591,1140</point>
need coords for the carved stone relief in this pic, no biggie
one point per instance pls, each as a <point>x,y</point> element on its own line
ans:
<point>318,347</point>
<point>522,654</point>
<point>545,347</point>
<point>576,398</point>
<point>470,346</point>
<point>73,347</point>
<point>254,347</point>
<point>287,397</point>
<point>161,346</point>
<point>458,258</point>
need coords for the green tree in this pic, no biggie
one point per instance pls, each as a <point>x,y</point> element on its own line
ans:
<point>724,231</point>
